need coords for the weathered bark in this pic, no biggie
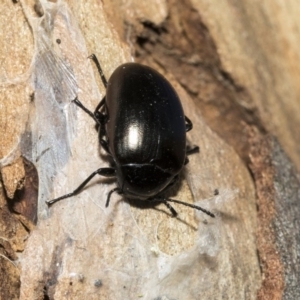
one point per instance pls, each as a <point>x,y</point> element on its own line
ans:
<point>235,67</point>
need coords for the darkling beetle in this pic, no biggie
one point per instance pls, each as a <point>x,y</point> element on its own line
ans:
<point>143,128</point>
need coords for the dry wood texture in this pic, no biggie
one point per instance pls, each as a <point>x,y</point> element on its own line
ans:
<point>235,65</point>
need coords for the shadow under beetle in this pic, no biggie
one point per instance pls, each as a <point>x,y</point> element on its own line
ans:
<point>143,128</point>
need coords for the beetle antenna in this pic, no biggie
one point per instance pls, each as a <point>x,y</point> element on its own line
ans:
<point>192,206</point>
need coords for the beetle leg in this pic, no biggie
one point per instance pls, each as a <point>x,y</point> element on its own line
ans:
<point>102,119</point>
<point>99,118</point>
<point>94,58</point>
<point>172,210</point>
<point>103,139</point>
<point>118,190</point>
<point>104,145</point>
<point>99,115</point>
<point>107,172</point>
<point>165,202</point>
<point>192,150</point>
<point>191,205</point>
<point>186,160</point>
<point>79,104</point>
<point>188,124</point>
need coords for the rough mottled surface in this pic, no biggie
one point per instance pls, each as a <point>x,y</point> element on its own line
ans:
<point>286,223</point>
<point>132,251</point>
<point>220,55</point>
<point>278,185</point>
<point>270,260</point>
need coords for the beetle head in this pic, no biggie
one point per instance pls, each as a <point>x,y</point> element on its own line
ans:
<point>142,181</point>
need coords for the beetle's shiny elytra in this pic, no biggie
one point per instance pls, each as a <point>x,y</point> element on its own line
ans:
<point>143,128</point>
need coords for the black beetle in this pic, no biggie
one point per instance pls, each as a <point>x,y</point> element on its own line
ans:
<point>143,128</point>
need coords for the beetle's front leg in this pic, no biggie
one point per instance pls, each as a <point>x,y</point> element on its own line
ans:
<point>100,115</point>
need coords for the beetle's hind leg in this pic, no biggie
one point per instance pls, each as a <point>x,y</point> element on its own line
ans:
<point>107,172</point>
<point>118,190</point>
<point>172,210</point>
<point>166,201</point>
<point>192,206</point>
